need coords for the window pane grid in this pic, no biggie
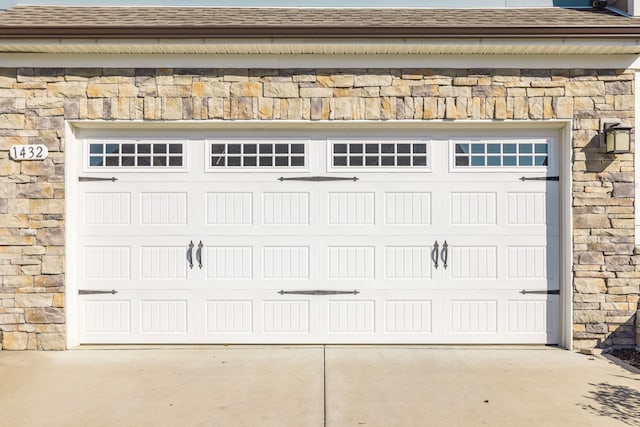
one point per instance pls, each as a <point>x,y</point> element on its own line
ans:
<point>501,154</point>
<point>257,155</point>
<point>380,154</point>
<point>136,155</point>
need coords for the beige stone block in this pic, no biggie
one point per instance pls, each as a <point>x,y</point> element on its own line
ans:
<point>624,102</point>
<point>58,300</point>
<point>388,108</point>
<point>425,90</point>
<point>53,280</point>
<point>294,109</point>
<point>430,108</point>
<point>623,290</point>
<point>347,92</point>
<point>7,190</point>
<point>451,111</point>
<point>10,270</point>
<point>280,90</point>
<point>56,341</point>
<point>100,90</point>
<point>52,264</point>
<point>46,206</point>
<point>584,88</point>
<point>44,315</point>
<point>489,91</point>
<point>500,109</point>
<point>536,108</point>
<point>589,285</point>
<point>465,81</point>
<point>128,90</point>
<point>14,340</point>
<point>12,121</point>
<point>172,108</point>
<point>95,108</point>
<point>216,89</point>
<point>579,328</point>
<point>152,108</point>
<point>265,108</point>
<point>34,299</point>
<point>39,190</point>
<point>588,316</point>
<point>343,108</point>
<point>11,318</point>
<point>588,297</point>
<point>316,92</point>
<point>245,89</point>
<point>17,240</point>
<point>42,328</point>
<point>590,221</point>
<point>535,92</point>
<point>455,92</point>
<point>373,80</point>
<point>563,108</point>
<point>14,221</point>
<point>337,80</point>
<point>372,109</point>
<point>174,91</point>
<point>583,103</point>
<point>45,167</point>
<point>215,107</point>
<point>401,91</point>
<point>75,89</point>
<point>617,306</point>
<point>590,258</point>
<point>31,270</point>
<point>516,91</point>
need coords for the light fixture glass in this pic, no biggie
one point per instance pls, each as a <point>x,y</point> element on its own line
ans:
<point>617,139</point>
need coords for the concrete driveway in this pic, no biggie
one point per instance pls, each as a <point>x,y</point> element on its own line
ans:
<point>315,386</point>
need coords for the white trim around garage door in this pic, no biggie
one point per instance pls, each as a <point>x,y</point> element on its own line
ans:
<point>77,130</point>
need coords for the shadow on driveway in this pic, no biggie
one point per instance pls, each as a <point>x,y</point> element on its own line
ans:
<point>618,402</point>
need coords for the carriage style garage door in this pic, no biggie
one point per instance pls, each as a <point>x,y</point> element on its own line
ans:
<point>321,240</point>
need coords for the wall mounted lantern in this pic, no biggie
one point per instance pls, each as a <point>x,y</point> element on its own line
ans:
<point>615,137</point>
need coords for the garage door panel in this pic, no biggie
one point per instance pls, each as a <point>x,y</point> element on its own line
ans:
<point>278,260</point>
<point>507,317</point>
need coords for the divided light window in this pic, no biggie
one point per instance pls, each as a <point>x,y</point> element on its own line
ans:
<point>261,155</point>
<point>136,155</point>
<point>371,154</point>
<point>501,154</point>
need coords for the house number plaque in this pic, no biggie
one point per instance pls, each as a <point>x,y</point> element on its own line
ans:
<point>28,152</point>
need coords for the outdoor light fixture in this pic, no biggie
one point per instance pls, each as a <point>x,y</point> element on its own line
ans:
<point>615,137</point>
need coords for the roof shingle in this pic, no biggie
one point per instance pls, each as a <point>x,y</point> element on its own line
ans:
<point>73,21</point>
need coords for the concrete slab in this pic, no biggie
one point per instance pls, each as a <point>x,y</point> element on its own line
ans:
<point>403,386</point>
<point>286,386</point>
<point>220,386</point>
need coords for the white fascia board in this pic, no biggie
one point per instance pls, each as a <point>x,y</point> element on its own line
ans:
<point>313,46</point>
<point>16,60</point>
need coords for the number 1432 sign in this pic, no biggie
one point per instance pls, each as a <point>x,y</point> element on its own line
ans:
<point>28,152</point>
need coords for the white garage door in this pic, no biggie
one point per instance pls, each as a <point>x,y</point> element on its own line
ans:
<point>329,240</point>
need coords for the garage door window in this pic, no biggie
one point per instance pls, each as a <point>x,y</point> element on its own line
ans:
<point>136,155</point>
<point>501,154</point>
<point>234,155</point>
<point>372,154</point>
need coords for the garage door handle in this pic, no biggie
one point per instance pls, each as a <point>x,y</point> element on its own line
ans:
<point>190,254</point>
<point>318,178</point>
<point>435,253</point>
<point>445,254</point>
<point>199,254</point>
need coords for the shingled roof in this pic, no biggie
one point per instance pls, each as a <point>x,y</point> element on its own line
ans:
<point>184,22</point>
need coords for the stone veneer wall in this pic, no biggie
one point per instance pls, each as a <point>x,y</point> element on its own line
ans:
<point>34,104</point>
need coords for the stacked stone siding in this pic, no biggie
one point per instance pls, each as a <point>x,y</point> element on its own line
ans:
<point>34,104</point>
